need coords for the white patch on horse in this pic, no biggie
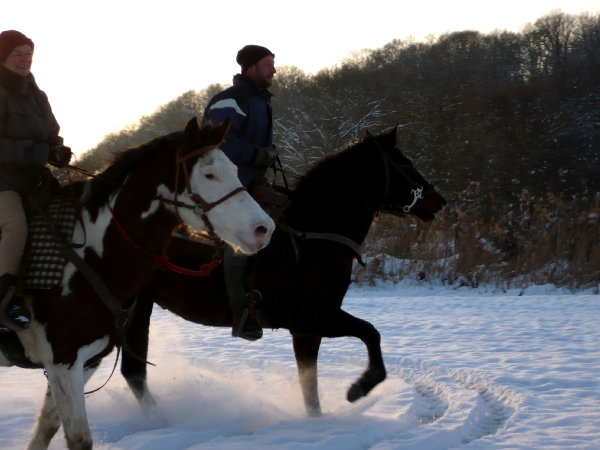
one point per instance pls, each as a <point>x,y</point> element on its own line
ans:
<point>88,351</point>
<point>34,340</point>
<point>228,103</point>
<point>93,236</point>
<point>154,205</point>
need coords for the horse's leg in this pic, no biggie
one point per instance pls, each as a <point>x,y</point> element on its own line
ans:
<point>132,368</point>
<point>306,349</point>
<point>48,420</point>
<point>66,385</point>
<point>343,324</point>
<point>46,424</point>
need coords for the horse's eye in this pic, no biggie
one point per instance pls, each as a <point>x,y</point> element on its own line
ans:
<point>210,176</point>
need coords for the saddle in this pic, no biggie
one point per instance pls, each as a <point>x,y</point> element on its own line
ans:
<point>273,200</point>
<point>43,261</point>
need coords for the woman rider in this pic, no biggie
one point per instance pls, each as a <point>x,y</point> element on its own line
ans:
<point>28,140</point>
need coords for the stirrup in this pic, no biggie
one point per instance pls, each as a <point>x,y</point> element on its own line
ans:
<point>251,330</point>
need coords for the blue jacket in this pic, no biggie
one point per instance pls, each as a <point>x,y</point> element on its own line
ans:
<point>249,109</point>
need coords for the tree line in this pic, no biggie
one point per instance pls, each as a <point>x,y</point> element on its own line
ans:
<point>507,125</point>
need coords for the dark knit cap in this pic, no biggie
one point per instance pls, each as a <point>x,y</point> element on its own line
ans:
<point>10,39</point>
<point>251,54</point>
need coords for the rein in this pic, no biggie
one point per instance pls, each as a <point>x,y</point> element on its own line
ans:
<point>162,260</point>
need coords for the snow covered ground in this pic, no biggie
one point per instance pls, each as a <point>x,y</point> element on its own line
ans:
<point>469,369</point>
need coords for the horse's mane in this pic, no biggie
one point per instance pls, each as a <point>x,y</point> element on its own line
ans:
<point>322,170</point>
<point>104,183</point>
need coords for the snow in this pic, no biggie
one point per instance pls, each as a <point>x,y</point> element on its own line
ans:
<point>467,368</point>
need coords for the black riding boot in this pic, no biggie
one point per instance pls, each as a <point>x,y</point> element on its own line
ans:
<point>13,315</point>
<point>234,268</point>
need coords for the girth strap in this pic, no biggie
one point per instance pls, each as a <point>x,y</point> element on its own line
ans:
<point>327,237</point>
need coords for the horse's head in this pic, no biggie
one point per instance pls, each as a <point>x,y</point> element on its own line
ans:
<point>208,183</point>
<point>406,191</point>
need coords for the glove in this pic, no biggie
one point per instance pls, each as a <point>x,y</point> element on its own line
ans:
<point>264,156</point>
<point>59,155</point>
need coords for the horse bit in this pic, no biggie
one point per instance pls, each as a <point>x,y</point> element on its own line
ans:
<point>417,192</point>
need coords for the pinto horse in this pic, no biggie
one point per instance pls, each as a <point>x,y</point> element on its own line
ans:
<point>305,272</point>
<point>128,215</point>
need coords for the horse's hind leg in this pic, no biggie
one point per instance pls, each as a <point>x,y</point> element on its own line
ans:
<point>46,425</point>
<point>132,368</point>
<point>306,349</point>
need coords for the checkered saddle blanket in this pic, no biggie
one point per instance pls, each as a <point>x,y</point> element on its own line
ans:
<point>43,261</point>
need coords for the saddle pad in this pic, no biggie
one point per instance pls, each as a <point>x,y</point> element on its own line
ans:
<point>44,261</point>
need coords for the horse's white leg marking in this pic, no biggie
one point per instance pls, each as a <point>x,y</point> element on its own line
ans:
<point>310,390</point>
<point>46,425</point>
<point>66,404</point>
<point>66,384</point>
<point>48,420</point>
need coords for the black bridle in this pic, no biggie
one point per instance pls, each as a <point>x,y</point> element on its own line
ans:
<point>416,189</point>
<point>201,207</point>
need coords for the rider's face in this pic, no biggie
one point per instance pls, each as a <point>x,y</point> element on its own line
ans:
<point>20,59</point>
<point>262,72</point>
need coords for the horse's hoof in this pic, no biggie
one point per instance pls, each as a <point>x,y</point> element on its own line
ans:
<point>354,393</point>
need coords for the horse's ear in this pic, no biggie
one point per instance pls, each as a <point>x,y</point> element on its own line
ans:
<point>392,134</point>
<point>192,128</point>
<point>223,127</point>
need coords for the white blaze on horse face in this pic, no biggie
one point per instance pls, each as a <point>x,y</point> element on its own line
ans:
<point>239,220</point>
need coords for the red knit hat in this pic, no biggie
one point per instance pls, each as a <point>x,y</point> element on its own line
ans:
<point>10,39</point>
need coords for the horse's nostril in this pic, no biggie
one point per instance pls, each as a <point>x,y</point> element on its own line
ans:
<point>261,230</point>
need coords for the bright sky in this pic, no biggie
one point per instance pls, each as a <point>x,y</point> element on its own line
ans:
<point>106,63</point>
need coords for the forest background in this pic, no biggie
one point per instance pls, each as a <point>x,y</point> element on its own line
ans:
<point>507,126</point>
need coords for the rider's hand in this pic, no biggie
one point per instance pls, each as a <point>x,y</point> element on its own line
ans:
<point>59,155</point>
<point>264,156</point>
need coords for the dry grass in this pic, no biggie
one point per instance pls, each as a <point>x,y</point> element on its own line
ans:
<point>535,241</point>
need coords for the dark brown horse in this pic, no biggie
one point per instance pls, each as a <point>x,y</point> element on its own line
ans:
<point>304,273</point>
<point>128,216</point>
